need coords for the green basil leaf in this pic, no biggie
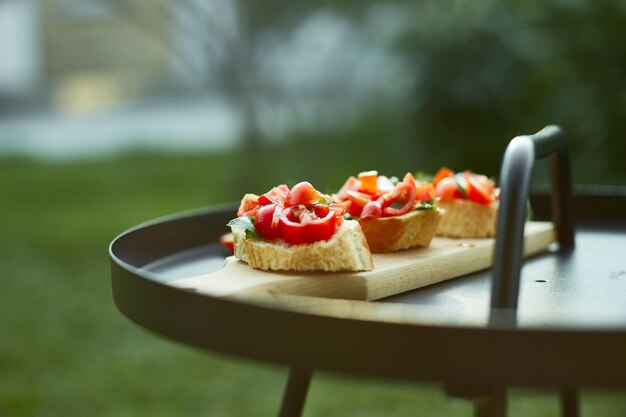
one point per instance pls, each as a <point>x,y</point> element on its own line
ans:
<point>246,223</point>
<point>422,176</point>
<point>426,205</point>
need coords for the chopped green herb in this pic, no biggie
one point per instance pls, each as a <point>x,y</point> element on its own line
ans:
<point>423,176</point>
<point>246,223</point>
<point>426,205</point>
<point>398,204</point>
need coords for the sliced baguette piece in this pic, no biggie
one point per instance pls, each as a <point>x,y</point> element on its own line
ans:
<point>467,219</point>
<point>347,250</point>
<point>414,229</point>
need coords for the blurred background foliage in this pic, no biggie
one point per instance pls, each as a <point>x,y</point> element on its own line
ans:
<point>422,83</point>
<point>114,112</point>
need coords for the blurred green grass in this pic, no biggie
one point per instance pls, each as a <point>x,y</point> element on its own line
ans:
<point>66,351</point>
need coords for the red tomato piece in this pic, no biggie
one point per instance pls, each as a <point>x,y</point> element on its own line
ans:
<point>360,199</point>
<point>447,189</point>
<point>321,210</point>
<point>410,180</point>
<point>302,193</point>
<point>488,185</point>
<point>264,222</point>
<point>353,209</point>
<point>403,197</point>
<point>339,210</point>
<point>299,226</point>
<point>276,195</point>
<point>372,209</point>
<point>478,191</point>
<point>369,182</point>
<point>380,194</point>
<point>248,203</point>
<point>227,241</point>
<point>441,174</point>
<point>424,192</point>
<point>276,219</point>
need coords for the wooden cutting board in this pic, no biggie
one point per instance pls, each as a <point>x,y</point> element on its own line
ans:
<point>393,272</point>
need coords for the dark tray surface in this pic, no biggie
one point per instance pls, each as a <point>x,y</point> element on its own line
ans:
<point>588,284</point>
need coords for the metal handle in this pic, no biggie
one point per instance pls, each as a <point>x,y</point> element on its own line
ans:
<point>515,176</point>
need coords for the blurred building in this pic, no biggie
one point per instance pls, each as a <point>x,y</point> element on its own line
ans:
<point>89,77</point>
<point>22,54</point>
<point>100,53</point>
<point>81,55</point>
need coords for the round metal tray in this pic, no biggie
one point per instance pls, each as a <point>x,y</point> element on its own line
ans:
<point>571,327</point>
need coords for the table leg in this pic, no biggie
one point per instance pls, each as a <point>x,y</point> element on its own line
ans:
<point>295,392</point>
<point>491,406</point>
<point>489,401</point>
<point>569,402</point>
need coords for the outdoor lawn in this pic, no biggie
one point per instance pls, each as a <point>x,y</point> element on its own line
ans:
<point>66,351</point>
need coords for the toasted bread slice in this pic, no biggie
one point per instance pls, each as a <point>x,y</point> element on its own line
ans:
<point>347,250</point>
<point>467,219</point>
<point>388,234</point>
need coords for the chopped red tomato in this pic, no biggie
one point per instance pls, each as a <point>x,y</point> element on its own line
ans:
<point>479,190</point>
<point>410,180</point>
<point>276,195</point>
<point>298,225</point>
<point>227,241</point>
<point>358,198</point>
<point>276,218</point>
<point>321,210</point>
<point>372,209</point>
<point>264,223</point>
<point>369,182</point>
<point>400,201</point>
<point>249,202</point>
<point>302,193</point>
<point>447,189</point>
<point>424,192</point>
<point>339,210</point>
<point>441,174</point>
<point>486,183</point>
<point>353,209</point>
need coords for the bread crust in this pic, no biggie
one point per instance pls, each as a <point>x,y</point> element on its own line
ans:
<point>468,219</point>
<point>389,234</point>
<point>347,250</point>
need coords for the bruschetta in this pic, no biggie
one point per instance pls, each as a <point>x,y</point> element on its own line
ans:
<point>298,229</point>
<point>393,214</point>
<point>470,202</point>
